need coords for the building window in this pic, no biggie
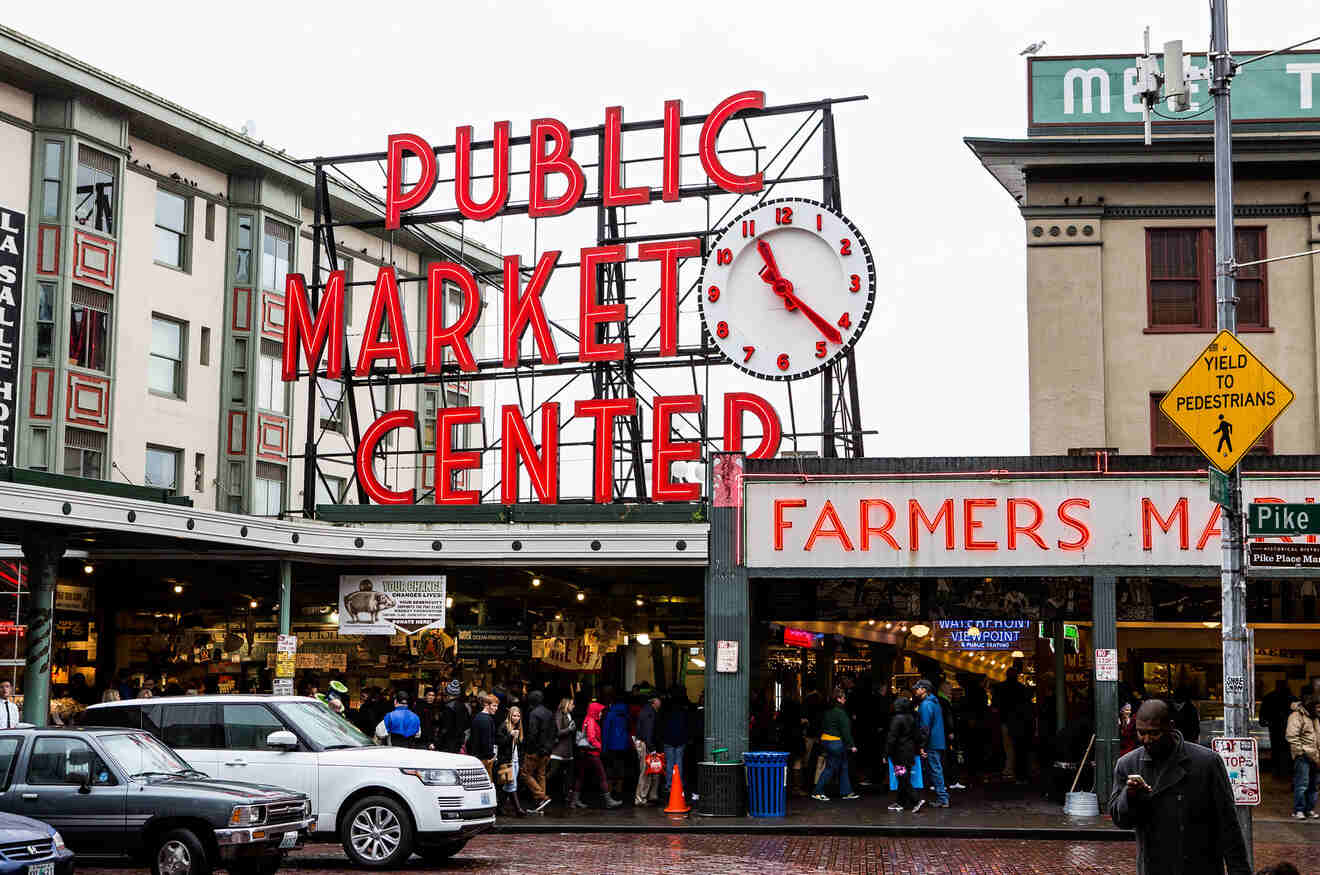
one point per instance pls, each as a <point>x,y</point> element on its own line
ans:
<point>45,321</point>
<point>330,397</point>
<point>95,197</point>
<point>268,496</point>
<point>172,229</point>
<point>243,251</point>
<point>204,357</point>
<point>210,220</point>
<point>163,468</point>
<point>238,372</point>
<point>165,366</point>
<point>1180,271</point>
<point>52,171</point>
<point>234,488</point>
<point>39,449</point>
<point>429,400</point>
<point>89,328</point>
<point>1166,438</point>
<point>270,379</point>
<point>84,453</point>
<point>276,250</point>
<point>329,490</point>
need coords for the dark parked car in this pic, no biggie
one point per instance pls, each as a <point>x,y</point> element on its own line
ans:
<point>121,791</point>
<point>30,847</point>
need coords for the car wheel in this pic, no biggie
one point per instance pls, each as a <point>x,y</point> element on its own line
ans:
<point>440,853</point>
<point>179,852</point>
<point>377,833</point>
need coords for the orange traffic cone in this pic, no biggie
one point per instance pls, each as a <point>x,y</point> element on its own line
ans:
<point>677,803</point>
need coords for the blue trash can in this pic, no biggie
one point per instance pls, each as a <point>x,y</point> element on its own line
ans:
<point>767,780</point>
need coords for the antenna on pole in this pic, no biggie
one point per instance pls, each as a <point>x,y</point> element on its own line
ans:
<point>1148,80</point>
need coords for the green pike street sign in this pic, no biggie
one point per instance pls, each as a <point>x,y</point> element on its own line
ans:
<point>1219,486</point>
<point>1090,91</point>
<point>1270,519</point>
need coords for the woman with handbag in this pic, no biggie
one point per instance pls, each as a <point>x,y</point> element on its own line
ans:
<point>508,740</point>
<point>589,748</point>
<point>561,754</point>
<point>901,748</point>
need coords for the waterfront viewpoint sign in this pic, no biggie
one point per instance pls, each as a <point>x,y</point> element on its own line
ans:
<point>1094,90</point>
<point>885,525</point>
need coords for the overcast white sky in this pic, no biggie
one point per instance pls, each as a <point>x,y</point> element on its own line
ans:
<point>943,360</point>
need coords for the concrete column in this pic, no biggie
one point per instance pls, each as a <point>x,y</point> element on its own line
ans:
<point>728,613</point>
<point>42,552</point>
<point>1105,617</point>
<point>286,597</point>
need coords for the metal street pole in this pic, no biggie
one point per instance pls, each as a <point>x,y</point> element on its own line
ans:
<point>1237,698</point>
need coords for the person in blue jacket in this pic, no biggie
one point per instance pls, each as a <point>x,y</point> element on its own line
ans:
<point>402,727</point>
<point>930,719</point>
<point>618,747</point>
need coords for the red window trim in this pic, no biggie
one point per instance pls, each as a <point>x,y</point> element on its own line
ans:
<point>1205,265</point>
<point>1264,444</point>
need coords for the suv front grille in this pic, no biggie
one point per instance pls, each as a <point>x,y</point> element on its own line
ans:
<point>474,779</point>
<point>23,852</point>
<point>283,812</point>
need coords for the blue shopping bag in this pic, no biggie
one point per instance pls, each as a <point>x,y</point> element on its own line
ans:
<point>916,776</point>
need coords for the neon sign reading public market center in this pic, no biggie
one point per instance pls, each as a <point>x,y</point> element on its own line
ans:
<point>322,333</point>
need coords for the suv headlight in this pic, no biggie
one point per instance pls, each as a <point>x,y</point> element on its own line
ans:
<point>434,777</point>
<point>247,815</point>
<point>57,840</point>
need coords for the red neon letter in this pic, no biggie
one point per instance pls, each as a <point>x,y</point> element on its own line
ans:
<point>780,522</point>
<point>836,530</point>
<point>517,443</point>
<point>557,160</point>
<point>447,461</point>
<point>519,309</point>
<point>738,403</point>
<point>1211,527</point>
<point>883,531</point>
<point>668,252</point>
<point>664,451</point>
<point>1029,530</point>
<point>591,312</point>
<point>605,411</point>
<point>613,194</point>
<point>366,450</point>
<point>915,514</point>
<point>480,212</point>
<point>300,332</point>
<point>395,200</point>
<point>438,335</point>
<point>673,149</point>
<point>1083,532</point>
<point>971,523</point>
<point>385,304</point>
<point>710,132</point>
<point>1179,512</point>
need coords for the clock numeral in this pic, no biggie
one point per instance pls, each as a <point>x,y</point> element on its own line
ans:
<point>783,215</point>
<point>782,361</point>
<point>724,256</point>
<point>820,349</point>
<point>747,353</point>
<point>845,246</point>
<point>722,329</point>
<point>749,227</point>
<point>713,294</point>
<point>845,321</point>
<point>818,223</point>
<point>856,285</point>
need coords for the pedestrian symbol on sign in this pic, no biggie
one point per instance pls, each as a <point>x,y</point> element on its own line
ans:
<point>1224,431</point>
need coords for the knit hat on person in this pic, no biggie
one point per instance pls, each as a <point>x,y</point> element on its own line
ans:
<point>924,685</point>
<point>454,688</point>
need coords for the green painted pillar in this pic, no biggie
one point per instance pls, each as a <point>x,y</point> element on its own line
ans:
<point>1105,634</point>
<point>728,613</point>
<point>286,597</point>
<point>42,552</point>
<point>1060,678</point>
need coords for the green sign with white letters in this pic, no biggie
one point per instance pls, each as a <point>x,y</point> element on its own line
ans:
<point>1275,519</point>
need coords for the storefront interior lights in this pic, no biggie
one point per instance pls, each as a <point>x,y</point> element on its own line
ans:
<point>643,639</point>
<point>1210,624</point>
<point>1018,654</point>
<point>334,616</point>
<point>870,622</point>
<point>582,596</point>
<point>559,616</point>
<point>88,569</point>
<point>178,588</point>
<point>698,662</point>
<point>449,602</point>
<point>639,601</point>
<point>536,581</point>
<point>253,604</point>
<point>921,630</point>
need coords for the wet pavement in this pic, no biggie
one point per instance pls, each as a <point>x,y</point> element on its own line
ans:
<point>782,855</point>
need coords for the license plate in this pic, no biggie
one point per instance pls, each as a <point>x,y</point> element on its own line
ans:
<point>41,869</point>
<point>485,798</point>
<point>290,840</point>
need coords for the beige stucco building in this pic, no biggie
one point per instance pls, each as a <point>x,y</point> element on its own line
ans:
<point>1120,275</point>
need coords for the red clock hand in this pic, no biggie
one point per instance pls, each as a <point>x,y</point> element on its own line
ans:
<point>831,333</point>
<point>770,273</point>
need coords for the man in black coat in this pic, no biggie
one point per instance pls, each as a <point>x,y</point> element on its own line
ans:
<point>541,738</point>
<point>1176,795</point>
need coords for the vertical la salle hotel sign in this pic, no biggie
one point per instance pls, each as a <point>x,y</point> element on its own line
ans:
<point>12,227</point>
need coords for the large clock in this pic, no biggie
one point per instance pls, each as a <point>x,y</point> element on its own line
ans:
<point>787,288</point>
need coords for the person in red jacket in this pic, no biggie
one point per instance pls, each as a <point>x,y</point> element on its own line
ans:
<point>588,759</point>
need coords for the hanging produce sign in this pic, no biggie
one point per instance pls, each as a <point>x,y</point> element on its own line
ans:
<point>570,654</point>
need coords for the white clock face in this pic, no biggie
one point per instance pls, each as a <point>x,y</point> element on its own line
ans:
<point>787,288</point>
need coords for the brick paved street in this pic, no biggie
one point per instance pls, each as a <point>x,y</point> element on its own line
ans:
<point>780,855</point>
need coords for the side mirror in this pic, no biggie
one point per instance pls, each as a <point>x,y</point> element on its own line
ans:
<point>282,738</point>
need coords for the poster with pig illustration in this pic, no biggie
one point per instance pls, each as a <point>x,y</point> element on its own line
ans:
<point>388,605</point>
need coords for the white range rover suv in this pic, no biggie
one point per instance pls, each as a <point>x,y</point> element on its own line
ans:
<point>383,803</point>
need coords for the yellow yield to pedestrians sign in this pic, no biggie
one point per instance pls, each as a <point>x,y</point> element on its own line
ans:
<point>1225,401</point>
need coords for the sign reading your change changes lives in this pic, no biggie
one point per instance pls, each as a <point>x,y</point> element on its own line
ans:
<point>386,605</point>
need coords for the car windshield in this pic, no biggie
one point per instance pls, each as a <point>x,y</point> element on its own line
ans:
<point>140,754</point>
<point>324,728</point>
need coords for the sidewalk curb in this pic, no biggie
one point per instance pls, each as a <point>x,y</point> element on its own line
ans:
<point>872,830</point>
